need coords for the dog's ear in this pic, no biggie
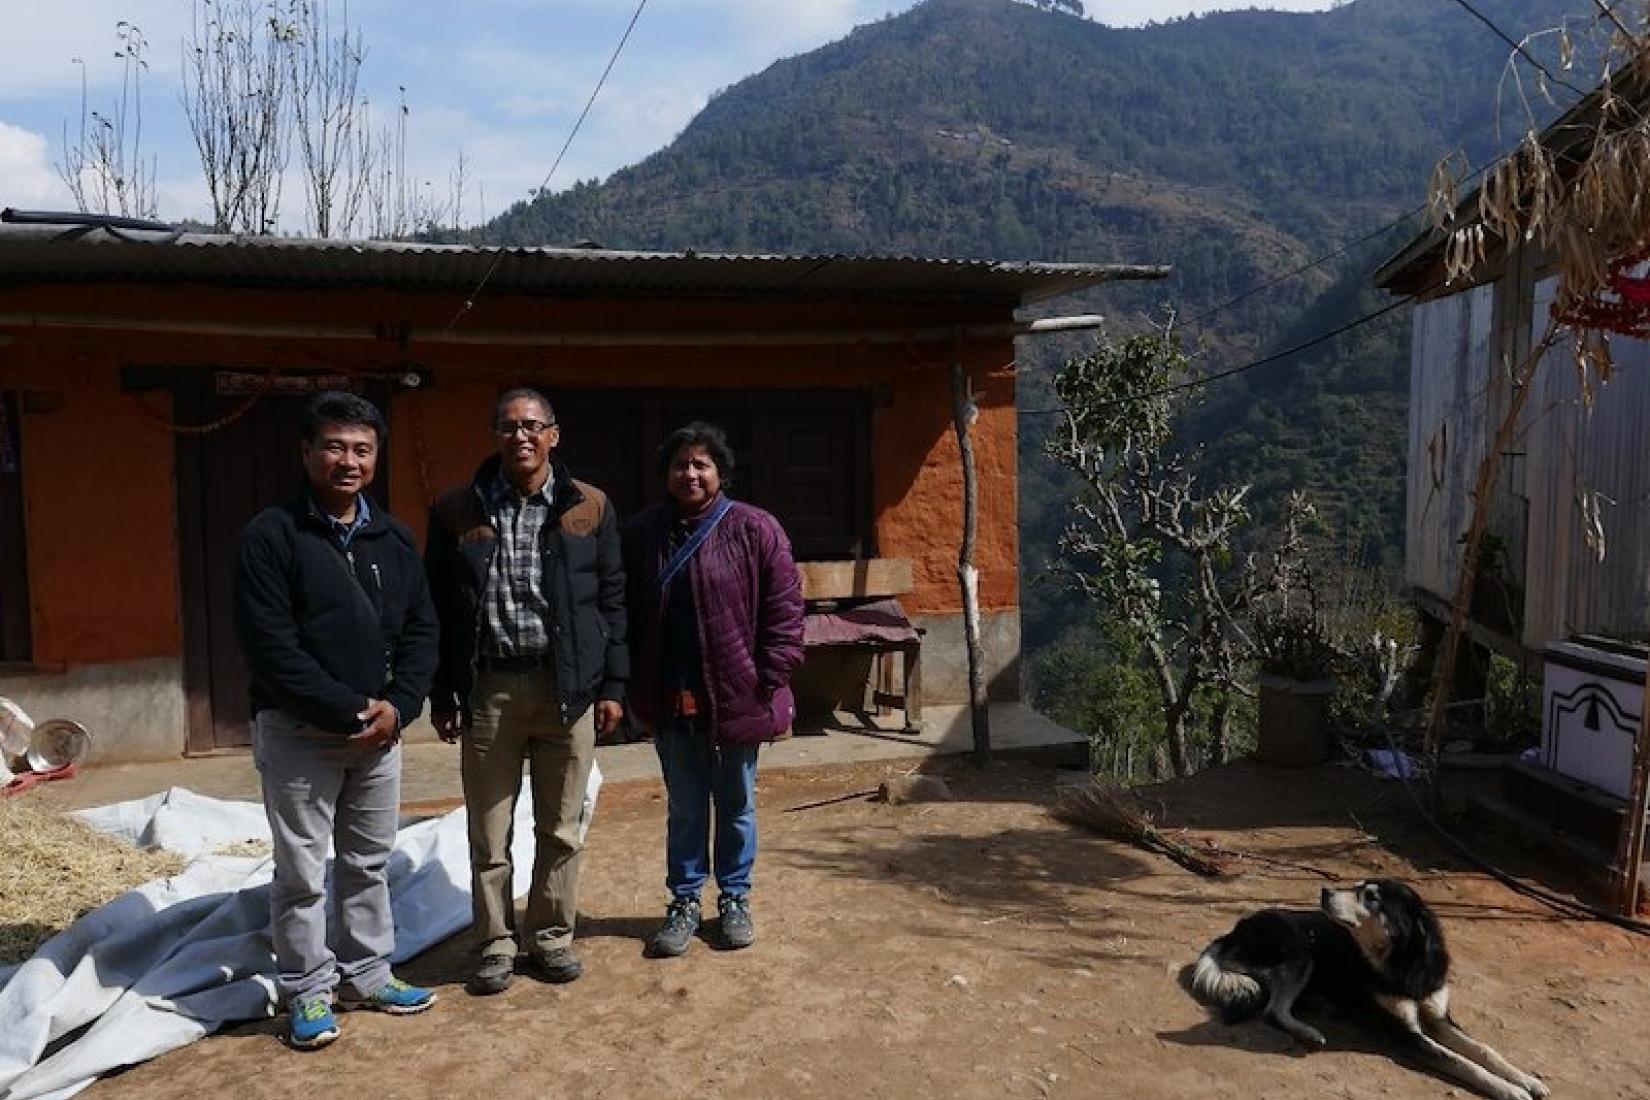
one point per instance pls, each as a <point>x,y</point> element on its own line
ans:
<point>1419,958</point>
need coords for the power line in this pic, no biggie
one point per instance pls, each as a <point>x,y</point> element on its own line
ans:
<point>1406,216</point>
<point>1310,264</point>
<point>1197,383</point>
<point>1518,47</point>
<point>578,124</point>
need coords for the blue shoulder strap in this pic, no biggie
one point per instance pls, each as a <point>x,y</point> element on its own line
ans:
<point>684,553</point>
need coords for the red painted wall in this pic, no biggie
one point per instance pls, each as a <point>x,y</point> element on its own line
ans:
<point>99,513</point>
<point>98,474</point>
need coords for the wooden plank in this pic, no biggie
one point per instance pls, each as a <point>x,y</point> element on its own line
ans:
<point>868,577</point>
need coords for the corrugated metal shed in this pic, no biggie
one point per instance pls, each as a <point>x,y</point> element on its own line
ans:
<point>55,253</point>
<point>1572,468</point>
<point>1588,468</point>
<point>1449,376</point>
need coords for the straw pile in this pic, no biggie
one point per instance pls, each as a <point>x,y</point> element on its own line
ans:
<point>1111,811</point>
<point>55,869</point>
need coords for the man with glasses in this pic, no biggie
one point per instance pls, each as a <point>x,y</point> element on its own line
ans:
<point>524,565</point>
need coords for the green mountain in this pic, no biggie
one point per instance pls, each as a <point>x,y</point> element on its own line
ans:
<point>1236,147</point>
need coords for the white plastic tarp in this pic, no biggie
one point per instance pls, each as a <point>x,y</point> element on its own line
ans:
<point>179,958</point>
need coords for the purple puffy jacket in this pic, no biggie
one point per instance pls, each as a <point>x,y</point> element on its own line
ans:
<point>748,595</point>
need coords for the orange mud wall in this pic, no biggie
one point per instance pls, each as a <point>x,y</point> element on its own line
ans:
<point>98,474</point>
<point>99,512</point>
<point>440,436</point>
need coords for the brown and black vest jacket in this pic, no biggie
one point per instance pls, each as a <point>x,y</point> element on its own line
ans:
<point>584,582</point>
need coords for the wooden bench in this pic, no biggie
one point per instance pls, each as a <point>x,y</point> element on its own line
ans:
<point>854,606</point>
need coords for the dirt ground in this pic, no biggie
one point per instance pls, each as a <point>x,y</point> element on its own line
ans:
<point>972,948</point>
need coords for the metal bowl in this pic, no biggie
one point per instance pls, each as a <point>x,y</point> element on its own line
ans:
<point>56,743</point>
<point>16,729</point>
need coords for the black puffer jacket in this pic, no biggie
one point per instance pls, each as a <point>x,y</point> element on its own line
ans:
<point>324,629</point>
<point>583,572</point>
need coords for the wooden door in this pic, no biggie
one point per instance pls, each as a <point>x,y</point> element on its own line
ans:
<point>224,478</point>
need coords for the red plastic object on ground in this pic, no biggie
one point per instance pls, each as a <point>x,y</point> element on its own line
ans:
<point>25,780</point>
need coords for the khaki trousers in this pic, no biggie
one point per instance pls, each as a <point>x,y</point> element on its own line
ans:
<point>516,720</point>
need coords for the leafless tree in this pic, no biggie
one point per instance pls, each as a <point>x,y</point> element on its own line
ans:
<point>329,116</point>
<point>236,97</point>
<point>260,77</point>
<point>398,205</point>
<point>389,201</point>
<point>102,163</point>
<point>457,184</point>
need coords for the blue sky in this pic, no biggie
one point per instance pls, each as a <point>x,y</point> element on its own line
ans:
<point>501,80</point>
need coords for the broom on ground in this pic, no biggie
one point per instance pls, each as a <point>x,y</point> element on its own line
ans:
<point>1111,811</point>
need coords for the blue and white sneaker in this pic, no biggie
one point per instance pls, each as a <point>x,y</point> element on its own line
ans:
<point>395,997</point>
<point>313,1024</point>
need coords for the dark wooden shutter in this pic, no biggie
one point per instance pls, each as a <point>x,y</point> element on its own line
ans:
<point>14,550</point>
<point>224,478</point>
<point>803,455</point>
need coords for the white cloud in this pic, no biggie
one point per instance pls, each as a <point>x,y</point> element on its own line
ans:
<point>795,24</point>
<point>521,105</point>
<point>1133,13</point>
<point>27,178</point>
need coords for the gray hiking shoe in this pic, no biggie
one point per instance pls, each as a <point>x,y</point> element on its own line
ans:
<point>674,936</point>
<point>557,966</point>
<point>493,975</point>
<point>735,925</point>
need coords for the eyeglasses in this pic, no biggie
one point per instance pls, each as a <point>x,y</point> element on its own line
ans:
<point>534,428</point>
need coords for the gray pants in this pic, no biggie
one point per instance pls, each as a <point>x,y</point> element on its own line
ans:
<point>320,790</point>
<point>516,719</point>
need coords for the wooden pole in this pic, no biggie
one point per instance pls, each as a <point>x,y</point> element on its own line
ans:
<point>1630,844</point>
<point>963,414</point>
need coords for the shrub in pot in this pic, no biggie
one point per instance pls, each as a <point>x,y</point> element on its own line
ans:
<point>1298,661</point>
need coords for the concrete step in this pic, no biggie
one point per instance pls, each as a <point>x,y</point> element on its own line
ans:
<point>1577,809</point>
<point>1594,862</point>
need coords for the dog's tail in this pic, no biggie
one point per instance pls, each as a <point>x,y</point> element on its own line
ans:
<point>1237,995</point>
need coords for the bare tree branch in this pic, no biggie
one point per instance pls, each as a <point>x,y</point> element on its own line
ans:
<point>103,166</point>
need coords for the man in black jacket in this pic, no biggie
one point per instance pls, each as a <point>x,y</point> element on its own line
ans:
<point>528,581</point>
<point>334,616</point>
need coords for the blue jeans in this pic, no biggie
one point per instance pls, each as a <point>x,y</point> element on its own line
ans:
<point>697,774</point>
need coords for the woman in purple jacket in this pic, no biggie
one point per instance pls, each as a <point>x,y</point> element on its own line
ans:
<point>715,607</point>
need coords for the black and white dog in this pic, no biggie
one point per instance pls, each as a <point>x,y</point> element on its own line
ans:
<point>1375,945</point>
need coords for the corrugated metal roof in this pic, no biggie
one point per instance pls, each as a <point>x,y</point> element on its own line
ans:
<point>1417,268</point>
<point>35,252</point>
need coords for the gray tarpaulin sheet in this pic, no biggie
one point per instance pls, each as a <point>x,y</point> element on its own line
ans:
<point>175,960</point>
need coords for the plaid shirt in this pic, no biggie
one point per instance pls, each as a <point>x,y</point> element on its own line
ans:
<point>515,603</point>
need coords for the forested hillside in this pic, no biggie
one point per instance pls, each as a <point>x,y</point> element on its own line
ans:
<point>1236,147</point>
